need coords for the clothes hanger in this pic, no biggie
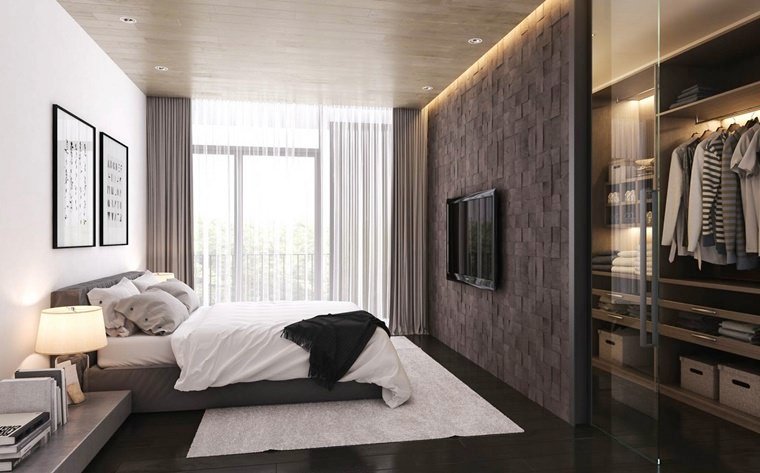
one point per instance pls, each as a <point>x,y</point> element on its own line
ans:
<point>734,126</point>
<point>705,134</point>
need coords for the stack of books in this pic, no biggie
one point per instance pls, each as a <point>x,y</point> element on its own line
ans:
<point>34,405</point>
<point>20,435</point>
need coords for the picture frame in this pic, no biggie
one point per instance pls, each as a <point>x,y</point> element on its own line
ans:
<point>114,191</point>
<point>74,181</point>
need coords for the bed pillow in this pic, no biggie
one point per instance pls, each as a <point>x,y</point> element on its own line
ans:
<point>155,312</point>
<point>146,280</point>
<point>181,291</point>
<point>106,298</point>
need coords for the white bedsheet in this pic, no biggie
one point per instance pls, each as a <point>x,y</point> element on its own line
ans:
<point>240,342</point>
<point>137,350</point>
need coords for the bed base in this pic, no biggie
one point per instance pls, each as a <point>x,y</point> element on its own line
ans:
<point>153,390</point>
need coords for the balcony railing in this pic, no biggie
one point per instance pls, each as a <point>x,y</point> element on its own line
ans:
<point>262,276</point>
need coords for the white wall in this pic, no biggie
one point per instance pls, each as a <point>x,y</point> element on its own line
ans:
<point>46,58</point>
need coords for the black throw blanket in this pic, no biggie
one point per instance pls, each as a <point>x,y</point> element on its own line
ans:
<point>334,342</point>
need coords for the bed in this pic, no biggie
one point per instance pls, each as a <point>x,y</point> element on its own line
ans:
<point>147,365</point>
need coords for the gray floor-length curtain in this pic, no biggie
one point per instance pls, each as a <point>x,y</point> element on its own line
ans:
<point>408,278</point>
<point>170,187</point>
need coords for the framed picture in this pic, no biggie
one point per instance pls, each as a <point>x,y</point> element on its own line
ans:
<point>114,192</point>
<point>73,180</point>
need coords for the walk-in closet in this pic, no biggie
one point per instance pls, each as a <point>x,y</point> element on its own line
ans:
<point>675,226</point>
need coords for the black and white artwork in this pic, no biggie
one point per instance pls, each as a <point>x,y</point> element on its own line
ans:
<point>114,183</point>
<point>73,180</point>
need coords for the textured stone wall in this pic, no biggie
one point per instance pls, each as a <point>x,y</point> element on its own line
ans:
<point>504,124</point>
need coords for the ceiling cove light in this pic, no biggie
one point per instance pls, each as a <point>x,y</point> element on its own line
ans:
<point>161,68</point>
<point>427,88</point>
<point>128,20</point>
<point>475,40</point>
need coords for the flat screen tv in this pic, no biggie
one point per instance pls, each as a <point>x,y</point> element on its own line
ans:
<point>472,239</point>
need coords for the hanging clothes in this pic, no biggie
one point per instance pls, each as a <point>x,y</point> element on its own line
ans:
<point>746,160</point>
<point>695,209</point>
<point>676,204</point>
<point>712,207</point>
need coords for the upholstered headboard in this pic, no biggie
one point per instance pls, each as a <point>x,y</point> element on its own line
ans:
<point>77,294</point>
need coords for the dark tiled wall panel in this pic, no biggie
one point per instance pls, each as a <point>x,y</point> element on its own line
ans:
<point>504,124</point>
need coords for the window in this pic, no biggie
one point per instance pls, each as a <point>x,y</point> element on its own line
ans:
<point>271,199</point>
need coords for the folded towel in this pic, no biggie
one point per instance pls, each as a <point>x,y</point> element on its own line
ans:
<point>624,269</point>
<point>606,259</point>
<point>621,261</point>
<point>744,337</point>
<point>741,327</point>
<point>601,267</point>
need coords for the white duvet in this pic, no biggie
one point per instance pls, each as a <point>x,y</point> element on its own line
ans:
<point>240,342</point>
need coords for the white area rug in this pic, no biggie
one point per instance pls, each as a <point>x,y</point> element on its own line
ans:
<point>441,406</point>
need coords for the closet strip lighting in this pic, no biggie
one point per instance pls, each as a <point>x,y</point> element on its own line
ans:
<point>735,115</point>
<point>636,96</point>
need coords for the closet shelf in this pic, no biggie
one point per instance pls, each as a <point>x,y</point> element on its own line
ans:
<point>607,274</point>
<point>721,285</point>
<point>711,406</point>
<point>633,298</point>
<point>711,311</point>
<point>721,105</point>
<point>724,344</point>
<point>624,372</point>
<point>618,319</point>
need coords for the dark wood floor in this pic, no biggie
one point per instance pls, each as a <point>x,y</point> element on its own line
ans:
<point>159,443</point>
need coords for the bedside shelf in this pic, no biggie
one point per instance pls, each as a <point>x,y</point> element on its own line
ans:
<point>76,443</point>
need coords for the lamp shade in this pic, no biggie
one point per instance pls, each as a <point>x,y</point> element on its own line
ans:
<point>164,276</point>
<point>70,330</point>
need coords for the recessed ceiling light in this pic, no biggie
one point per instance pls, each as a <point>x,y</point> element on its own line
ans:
<point>427,88</point>
<point>475,40</point>
<point>161,68</point>
<point>128,20</point>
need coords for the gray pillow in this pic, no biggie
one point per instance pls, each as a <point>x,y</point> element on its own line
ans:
<point>145,281</point>
<point>107,298</point>
<point>181,291</point>
<point>155,313</point>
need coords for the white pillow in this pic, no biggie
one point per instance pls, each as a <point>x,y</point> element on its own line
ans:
<point>146,280</point>
<point>106,298</point>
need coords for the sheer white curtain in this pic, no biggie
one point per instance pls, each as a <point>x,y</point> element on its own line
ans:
<point>291,202</point>
<point>360,154</point>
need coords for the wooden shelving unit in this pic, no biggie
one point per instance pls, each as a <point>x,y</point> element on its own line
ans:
<point>723,62</point>
<point>679,394</point>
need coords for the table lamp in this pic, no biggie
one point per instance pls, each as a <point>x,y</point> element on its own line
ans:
<point>71,331</point>
<point>164,276</point>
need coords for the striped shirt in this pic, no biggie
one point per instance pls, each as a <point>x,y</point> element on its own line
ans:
<point>713,231</point>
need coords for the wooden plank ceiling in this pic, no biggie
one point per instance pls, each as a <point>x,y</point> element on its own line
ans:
<point>342,52</point>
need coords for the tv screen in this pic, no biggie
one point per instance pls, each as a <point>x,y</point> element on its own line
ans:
<point>472,250</point>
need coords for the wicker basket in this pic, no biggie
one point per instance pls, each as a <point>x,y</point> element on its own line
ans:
<point>700,376</point>
<point>622,348</point>
<point>740,389</point>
